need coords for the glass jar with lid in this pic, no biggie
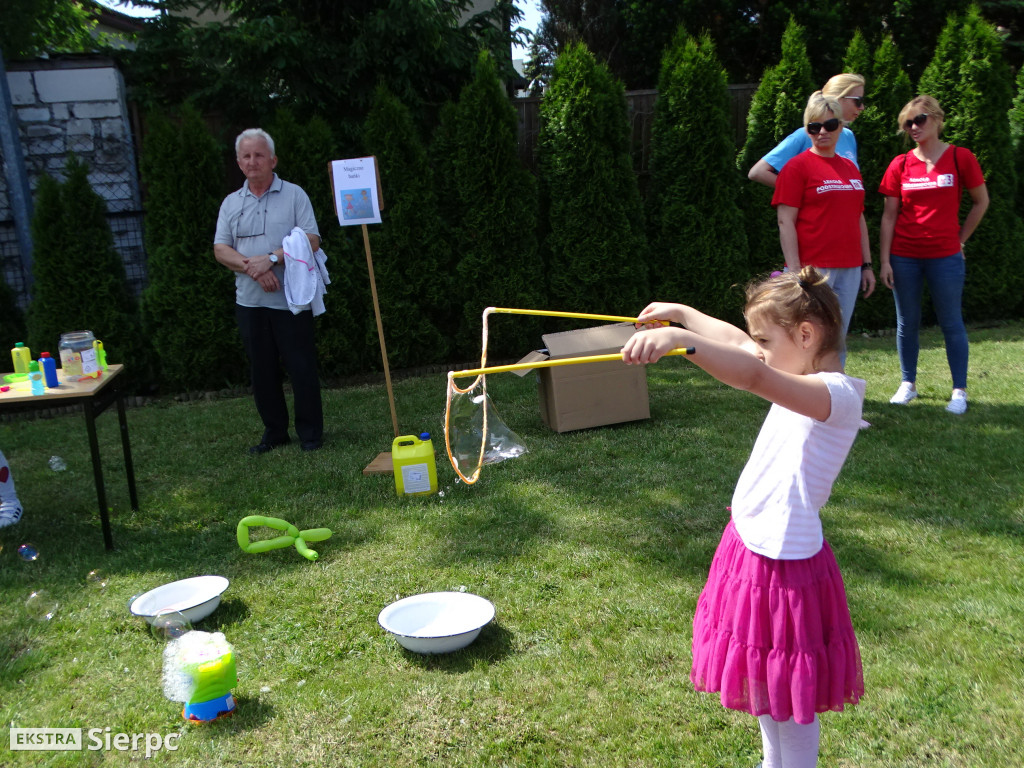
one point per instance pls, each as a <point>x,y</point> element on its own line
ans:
<point>72,344</point>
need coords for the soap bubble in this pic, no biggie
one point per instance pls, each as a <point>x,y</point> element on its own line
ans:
<point>169,625</point>
<point>57,464</point>
<point>28,552</point>
<point>96,579</point>
<point>40,605</point>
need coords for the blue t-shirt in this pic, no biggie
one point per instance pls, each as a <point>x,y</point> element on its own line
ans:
<point>800,140</point>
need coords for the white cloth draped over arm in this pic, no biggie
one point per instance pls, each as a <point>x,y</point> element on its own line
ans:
<point>305,274</point>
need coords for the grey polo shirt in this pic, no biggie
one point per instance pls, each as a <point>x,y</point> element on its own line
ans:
<point>256,225</point>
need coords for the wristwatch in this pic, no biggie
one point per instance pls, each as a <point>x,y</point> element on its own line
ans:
<point>273,257</point>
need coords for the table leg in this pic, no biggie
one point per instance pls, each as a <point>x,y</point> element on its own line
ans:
<point>129,467</point>
<point>97,472</point>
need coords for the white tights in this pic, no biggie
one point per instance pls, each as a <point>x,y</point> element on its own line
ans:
<point>789,744</point>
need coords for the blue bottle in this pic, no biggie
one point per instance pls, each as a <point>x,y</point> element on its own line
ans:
<point>35,378</point>
<point>49,367</point>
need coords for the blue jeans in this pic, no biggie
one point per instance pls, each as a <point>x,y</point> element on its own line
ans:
<point>846,284</point>
<point>946,284</point>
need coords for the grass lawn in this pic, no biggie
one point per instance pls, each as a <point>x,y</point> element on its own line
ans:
<point>593,547</point>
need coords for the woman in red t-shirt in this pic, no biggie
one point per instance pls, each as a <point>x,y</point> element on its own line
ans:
<point>819,202</point>
<point>922,240</point>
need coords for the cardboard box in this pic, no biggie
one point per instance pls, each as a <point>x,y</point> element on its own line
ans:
<point>585,395</point>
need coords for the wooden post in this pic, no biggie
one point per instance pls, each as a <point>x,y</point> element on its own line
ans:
<point>381,465</point>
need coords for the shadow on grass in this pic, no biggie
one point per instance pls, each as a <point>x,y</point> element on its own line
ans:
<point>494,644</point>
<point>231,611</point>
<point>250,714</point>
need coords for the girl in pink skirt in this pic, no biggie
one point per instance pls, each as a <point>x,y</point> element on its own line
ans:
<point>772,634</point>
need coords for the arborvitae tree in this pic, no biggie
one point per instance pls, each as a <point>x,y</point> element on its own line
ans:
<point>444,146</point>
<point>12,321</point>
<point>188,306</point>
<point>975,89</point>
<point>698,244</point>
<point>878,142</point>
<point>596,248</point>
<point>495,202</point>
<point>79,276</point>
<point>776,111</point>
<point>1017,135</point>
<point>878,136</point>
<point>778,104</point>
<point>304,152</point>
<point>412,259</point>
<point>858,58</point>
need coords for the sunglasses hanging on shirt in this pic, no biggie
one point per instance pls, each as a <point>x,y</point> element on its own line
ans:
<point>829,125</point>
<point>918,121</point>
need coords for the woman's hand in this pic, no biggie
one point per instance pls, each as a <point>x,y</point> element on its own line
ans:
<point>867,282</point>
<point>885,275</point>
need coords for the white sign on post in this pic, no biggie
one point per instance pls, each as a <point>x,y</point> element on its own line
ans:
<point>356,188</point>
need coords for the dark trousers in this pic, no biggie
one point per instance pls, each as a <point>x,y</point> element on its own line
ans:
<point>272,337</point>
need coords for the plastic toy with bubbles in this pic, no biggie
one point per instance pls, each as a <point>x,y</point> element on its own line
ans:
<point>292,535</point>
<point>199,670</point>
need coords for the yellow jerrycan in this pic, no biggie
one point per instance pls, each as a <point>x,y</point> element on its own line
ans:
<point>413,460</point>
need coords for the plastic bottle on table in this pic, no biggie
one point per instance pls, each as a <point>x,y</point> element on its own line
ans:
<point>21,356</point>
<point>49,367</point>
<point>35,378</point>
<point>101,354</point>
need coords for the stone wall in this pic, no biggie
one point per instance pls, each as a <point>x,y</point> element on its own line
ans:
<point>76,104</point>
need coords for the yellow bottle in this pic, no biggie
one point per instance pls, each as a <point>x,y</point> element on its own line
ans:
<point>21,356</point>
<point>413,460</point>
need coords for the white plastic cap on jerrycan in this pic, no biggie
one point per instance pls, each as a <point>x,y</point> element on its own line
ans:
<point>413,460</point>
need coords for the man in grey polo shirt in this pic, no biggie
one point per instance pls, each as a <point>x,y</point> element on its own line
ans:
<point>252,223</point>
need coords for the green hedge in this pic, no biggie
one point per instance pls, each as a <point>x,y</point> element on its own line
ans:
<point>493,214</point>
<point>698,244</point>
<point>412,256</point>
<point>974,86</point>
<point>776,111</point>
<point>878,142</point>
<point>595,246</point>
<point>187,308</point>
<point>79,277</point>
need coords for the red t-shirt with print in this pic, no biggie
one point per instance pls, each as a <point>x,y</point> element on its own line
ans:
<point>928,224</point>
<point>829,193</point>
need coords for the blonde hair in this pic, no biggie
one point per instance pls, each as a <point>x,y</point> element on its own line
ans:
<point>818,104</point>
<point>922,104</point>
<point>840,85</point>
<point>791,298</point>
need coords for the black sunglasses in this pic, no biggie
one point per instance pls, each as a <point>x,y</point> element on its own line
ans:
<point>829,125</point>
<point>857,100</point>
<point>918,121</point>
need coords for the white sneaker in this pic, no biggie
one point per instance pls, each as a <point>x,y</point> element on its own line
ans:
<point>904,394</point>
<point>958,402</point>
<point>10,513</point>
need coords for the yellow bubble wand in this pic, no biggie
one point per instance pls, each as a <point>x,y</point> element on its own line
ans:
<point>480,374</point>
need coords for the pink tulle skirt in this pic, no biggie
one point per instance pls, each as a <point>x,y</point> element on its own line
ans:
<point>774,637</point>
